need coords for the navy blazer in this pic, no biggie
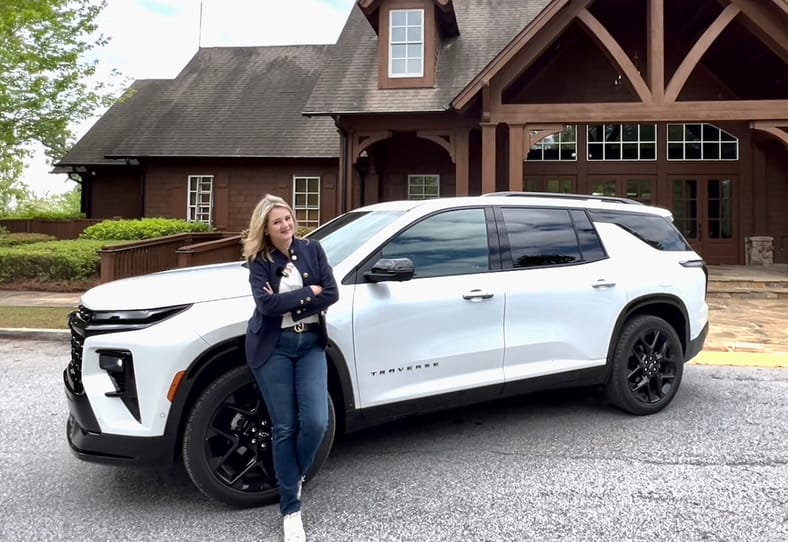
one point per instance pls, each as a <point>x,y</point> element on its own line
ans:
<point>264,327</point>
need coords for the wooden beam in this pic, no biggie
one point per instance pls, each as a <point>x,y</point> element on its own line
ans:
<point>577,113</point>
<point>439,137</point>
<point>462,163</point>
<point>488,157</point>
<point>774,128</point>
<point>516,157</point>
<point>683,72</point>
<point>769,28</point>
<point>656,49</point>
<point>614,51</point>
<point>537,45</point>
<point>505,56</point>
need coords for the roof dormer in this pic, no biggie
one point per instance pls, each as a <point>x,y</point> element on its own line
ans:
<point>410,33</point>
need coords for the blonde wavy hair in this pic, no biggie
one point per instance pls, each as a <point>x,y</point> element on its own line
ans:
<point>256,241</point>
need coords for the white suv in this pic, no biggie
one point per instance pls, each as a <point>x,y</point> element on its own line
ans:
<point>442,303</point>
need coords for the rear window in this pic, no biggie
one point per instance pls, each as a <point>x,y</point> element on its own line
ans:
<point>657,231</point>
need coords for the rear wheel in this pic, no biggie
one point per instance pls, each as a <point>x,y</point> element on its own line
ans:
<point>227,442</point>
<point>648,363</point>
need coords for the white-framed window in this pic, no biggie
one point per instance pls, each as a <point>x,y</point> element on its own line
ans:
<point>406,43</point>
<point>424,186</point>
<point>557,147</point>
<point>701,142</point>
<point>199,202</point>
<point>622,142</point>
<point>306,200</point>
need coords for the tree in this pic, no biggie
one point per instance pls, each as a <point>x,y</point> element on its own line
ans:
<point>45,80</point>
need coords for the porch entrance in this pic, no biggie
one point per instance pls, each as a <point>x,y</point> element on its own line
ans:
<point>703,210</point>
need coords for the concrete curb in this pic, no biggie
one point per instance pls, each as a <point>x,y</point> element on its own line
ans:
<point>25,333</point>
<point>768,360</point>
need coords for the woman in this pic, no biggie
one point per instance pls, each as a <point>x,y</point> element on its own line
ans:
<point>292,283</point>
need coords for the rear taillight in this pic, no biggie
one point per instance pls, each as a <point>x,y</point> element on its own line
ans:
<point>702,265</point>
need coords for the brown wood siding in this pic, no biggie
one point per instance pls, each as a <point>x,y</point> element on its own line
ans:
<point>115,195</point>
<point>776,204</point>
<point>405,154</point>
<point>237,187</point>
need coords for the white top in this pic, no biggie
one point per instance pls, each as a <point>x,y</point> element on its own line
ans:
<point>291,280</point>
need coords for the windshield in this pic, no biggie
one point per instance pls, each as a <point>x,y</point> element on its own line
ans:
<point>340,237</point>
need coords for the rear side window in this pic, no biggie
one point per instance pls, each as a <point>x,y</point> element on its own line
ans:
<point>657,231</point>
<point>540,237</point>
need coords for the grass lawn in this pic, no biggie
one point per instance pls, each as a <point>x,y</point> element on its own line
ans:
<point>35,317</point>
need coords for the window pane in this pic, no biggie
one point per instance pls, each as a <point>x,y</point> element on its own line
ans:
<point>675,132</point>
<point>313,200</point>
<point>414,66</point>
<point>648,132</point>
<point>655,231</point>
<point>711,133</point>
<point>539,237</point>
<point>692,151</point>
<point>675,151</point>
<point>630,151</point>
<point>590,245</point>
<point>314,184</point>
<point>414,17</point>
<point>595,151</point>
<point>630,132</point>
<point>595,133</point>
<point>397,66</point>
<point>414,34</point>
<point>414,51</point>
<point>729,151</point>
<point>612,151</point>
<point>450,243</point>
<point>398,18</point>
<point>398,34</point>
<point>398,51</point>
<point>711,151</point>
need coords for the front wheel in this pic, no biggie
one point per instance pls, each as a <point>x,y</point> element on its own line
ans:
<point>227,442</point>
<point>647,366</point>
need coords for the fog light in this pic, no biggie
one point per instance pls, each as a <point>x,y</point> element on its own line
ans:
<point>112,362</point>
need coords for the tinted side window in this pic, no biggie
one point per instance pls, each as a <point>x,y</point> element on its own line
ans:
<point>590,244</point>
<point>657,231</point>
<point>539,237</point>
<point>450,243</point>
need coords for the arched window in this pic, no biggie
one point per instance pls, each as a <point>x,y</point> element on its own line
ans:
<point>701,142</point>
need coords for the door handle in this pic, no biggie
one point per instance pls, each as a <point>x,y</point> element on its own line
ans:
<point>477,295</point>
<point>602,283</point>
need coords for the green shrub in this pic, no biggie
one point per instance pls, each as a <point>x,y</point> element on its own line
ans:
<point>144,228</point>
<point>51,261</point>
<point>15,239</point>
<point>3,230</point>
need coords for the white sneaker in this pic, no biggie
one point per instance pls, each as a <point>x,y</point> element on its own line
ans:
<point>293,528</point>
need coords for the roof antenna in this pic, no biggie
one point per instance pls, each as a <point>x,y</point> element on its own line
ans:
<point>199,31</point>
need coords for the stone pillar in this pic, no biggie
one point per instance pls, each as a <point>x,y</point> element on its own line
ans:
<point>759,250</point>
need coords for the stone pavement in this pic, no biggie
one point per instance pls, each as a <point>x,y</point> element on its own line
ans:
<point>748,315</point>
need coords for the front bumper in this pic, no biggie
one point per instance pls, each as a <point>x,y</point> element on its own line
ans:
<point>696,345</point>
<point>88,443</point>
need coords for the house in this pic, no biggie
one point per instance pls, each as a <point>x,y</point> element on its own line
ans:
<point>677,103</point>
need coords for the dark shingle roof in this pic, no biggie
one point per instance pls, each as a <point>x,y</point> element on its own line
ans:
<point>119,120</point>
<point>226,102</point>
<point>349,82</point>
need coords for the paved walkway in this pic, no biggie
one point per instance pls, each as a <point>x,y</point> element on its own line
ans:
<point>743,331</point>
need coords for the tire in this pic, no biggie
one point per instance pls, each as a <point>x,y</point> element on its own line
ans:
<point>227,443</point>
<point>647,366</point>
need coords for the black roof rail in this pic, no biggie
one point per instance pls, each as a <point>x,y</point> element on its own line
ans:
<point>579,197</point>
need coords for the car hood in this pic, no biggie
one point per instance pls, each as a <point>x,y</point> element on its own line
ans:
<point>169,288</point>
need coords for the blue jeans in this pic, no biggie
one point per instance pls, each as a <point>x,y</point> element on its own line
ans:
<point>294,384</point>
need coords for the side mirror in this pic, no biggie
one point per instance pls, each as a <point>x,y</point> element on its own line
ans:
<point>391,269</point>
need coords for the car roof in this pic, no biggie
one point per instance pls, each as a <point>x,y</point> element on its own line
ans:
<point>540,199</point>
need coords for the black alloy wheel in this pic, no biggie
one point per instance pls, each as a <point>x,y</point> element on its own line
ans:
<point>227,443</point>
<point>648,363</point>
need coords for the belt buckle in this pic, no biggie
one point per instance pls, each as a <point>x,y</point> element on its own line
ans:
<point>299,327</point>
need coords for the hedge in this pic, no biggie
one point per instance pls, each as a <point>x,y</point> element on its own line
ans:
<point>144,228</point>
<point>15,239</point>
<point>51,261</point>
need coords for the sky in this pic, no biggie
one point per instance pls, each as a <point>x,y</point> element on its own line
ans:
<point>155,39</point>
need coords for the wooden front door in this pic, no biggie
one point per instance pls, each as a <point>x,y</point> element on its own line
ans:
<point>703,210</point>
<point>637,187</point>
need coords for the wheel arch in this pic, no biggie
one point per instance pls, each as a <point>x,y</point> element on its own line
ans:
<point>668,307</point>
<point>229,354</point>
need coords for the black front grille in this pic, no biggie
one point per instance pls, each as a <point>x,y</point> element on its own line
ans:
<point>77,322</point>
